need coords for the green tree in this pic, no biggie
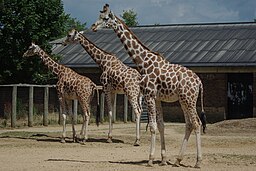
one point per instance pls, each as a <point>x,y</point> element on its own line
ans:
<point>130,17</point>
<point>24,21</point>
<point>72,23</point>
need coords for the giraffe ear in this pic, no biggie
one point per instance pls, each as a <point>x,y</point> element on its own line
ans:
<point>105,8</point>
<point>81,32</point>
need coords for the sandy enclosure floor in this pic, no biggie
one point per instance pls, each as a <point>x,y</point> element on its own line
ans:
<point>228,145</point>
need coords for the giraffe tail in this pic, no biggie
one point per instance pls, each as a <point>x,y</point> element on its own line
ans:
<point>202,116</point>
<point>98,107</point>
<point>202,96</point>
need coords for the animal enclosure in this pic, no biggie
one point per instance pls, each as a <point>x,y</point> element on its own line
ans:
<point>25,101</point>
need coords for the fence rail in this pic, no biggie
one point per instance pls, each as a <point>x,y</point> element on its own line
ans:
<point>46,104</point>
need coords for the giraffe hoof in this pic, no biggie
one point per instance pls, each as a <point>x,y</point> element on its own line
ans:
<point>62,141</point>
<point>163,163</point>
<point>150,163</point>
<point>75,139</point>
<point>83,142</point>
<point>136,143</point>
<point>177,163</point>
<point>109,140</point>
<point>198,165</point>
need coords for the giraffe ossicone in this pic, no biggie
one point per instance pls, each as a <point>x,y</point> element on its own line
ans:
<point>116,78</point>
<point>161,81</point>
<point>70,86</point>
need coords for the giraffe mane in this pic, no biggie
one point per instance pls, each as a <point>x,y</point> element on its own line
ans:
<point>97,46</point>
<point>126,27</point>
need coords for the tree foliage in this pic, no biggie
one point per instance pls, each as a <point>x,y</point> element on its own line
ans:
<point>130,17</point>
<point>24,21</point>
<point>72,23</point>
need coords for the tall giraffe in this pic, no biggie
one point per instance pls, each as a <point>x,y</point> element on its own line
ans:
<point>161,81</point>
<point>70,86</point>
<point>116,78</point>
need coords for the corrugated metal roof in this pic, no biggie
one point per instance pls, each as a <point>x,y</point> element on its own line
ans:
<point>221,44</point>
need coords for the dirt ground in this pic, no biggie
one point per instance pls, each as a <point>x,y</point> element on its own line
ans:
<point>228,145</point>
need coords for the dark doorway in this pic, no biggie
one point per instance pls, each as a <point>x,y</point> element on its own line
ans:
<point>240,96</point>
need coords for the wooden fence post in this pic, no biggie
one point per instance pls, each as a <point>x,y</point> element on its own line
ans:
<point>31,104</point>
<point>125,108</point>
<point>14,106</point>
<point>102,103</point>
<point>46,100</point>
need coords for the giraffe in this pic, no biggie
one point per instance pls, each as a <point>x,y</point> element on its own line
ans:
<point>116,78</point>
<point>161,81</point>
<point>70,86</point>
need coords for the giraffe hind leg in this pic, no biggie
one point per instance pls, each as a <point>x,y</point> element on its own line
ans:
<point>198,143</point>
<point>160,126</point>
<point>188,131</point>
<point>86,119</point>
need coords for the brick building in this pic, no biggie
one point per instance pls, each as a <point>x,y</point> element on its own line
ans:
<point>222,54</point>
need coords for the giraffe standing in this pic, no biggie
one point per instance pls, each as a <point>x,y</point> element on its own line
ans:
<point>161,81</point>
<point>70,86</point>
<point>116,78</point>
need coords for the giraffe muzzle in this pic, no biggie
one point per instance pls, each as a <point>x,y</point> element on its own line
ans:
<point>93,28</point>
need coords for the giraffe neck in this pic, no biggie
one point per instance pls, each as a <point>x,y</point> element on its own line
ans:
<point>49,62</point>
<point>136,50</point>
<point>101,57</point>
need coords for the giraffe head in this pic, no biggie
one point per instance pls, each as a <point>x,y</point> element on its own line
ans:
<point>72,37</point>
<point>106,19</point>
<point>32,50</point>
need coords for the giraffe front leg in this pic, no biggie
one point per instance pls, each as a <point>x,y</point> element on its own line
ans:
<point>137,141</point>
<point>64,128</point>
<point>74,131</point>
<point>136,102</point>
<point>109,140</point>
<point>64,117</point>
<point>137,112</point>
<point>82,133</point>
<point>110,102</point>
<point>152,127</point>
<point>70,112</point>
